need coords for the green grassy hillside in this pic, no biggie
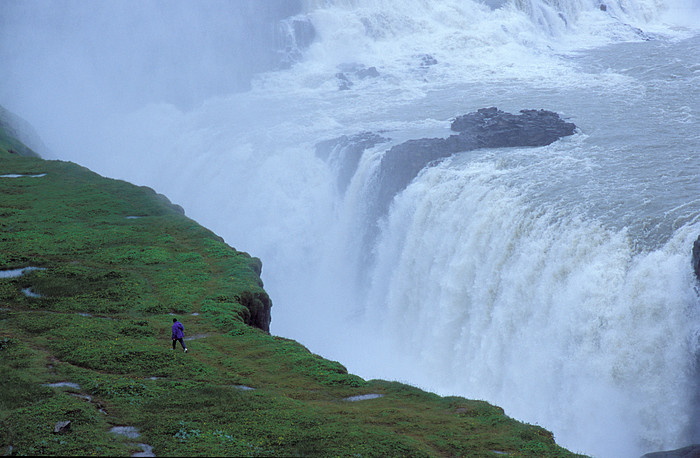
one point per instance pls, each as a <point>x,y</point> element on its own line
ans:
<point>8,141</point>
<point>117,262</point>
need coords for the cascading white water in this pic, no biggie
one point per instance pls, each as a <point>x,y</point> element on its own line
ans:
<point>523,305</point>
<point>554,281</point>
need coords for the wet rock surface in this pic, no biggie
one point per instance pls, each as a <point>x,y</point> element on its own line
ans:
<point>696,258</point>
<point>485,128</point>
<point>691,451</point>
<point>349,73</point>
<point>343,154</point>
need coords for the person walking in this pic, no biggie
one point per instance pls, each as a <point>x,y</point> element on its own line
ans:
<point>178,334</point>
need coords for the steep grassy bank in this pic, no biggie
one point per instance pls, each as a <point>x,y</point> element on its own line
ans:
<point>116,262</point>
<point>8,134</point>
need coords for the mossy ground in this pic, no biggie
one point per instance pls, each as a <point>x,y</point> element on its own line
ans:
<point>8,143</point>
<point>108,292</point>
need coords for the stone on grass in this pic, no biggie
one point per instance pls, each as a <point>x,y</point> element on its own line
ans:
<point>62,427</point>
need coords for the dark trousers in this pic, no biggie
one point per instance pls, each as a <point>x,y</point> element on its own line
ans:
<point>182,342</point>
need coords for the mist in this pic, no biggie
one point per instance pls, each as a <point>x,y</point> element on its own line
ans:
<point>68,65</point>
<point>544,280</point>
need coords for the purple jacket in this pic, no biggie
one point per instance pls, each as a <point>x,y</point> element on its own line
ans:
<point>178,330</point>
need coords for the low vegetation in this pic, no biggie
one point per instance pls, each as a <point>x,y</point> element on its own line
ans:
<point>86,339</point>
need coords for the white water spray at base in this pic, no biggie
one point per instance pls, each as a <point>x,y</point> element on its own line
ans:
<point>484,295</point>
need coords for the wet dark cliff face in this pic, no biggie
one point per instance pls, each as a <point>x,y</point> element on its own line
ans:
<point>485,128</point>
<point>696,257</point>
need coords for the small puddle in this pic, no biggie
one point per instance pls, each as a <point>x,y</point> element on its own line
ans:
<point>17,175</point>
<point>196,336</point>
<point>132,432</point>
<point>63,384</point>
<point>146,450</point>
<point>243,387</point>
<point>129,431</point>
<point>363,397</point>
<point>29,293</point>
<point>133,217</point>
<point>13,273</point>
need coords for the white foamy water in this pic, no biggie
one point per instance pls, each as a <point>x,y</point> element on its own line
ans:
<point>555,281</point>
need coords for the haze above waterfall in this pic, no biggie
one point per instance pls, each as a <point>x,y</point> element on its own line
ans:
<point>554,281</point>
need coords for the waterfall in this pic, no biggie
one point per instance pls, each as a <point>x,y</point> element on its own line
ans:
<point>553,281</point>
<point>525,304</point>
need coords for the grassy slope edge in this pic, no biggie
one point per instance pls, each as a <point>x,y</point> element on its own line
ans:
<point>102,323</point>
<point>8,141</point>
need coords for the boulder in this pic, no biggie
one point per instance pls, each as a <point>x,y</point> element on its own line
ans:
<point>427,60</point>
<point>343,82</point>
<point>370,72</point>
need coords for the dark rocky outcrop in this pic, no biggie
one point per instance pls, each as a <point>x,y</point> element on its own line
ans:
<point>259,306</point>
<point>491,127</point>
<point>696,258</point>
<point>293,35</point>
<point>485,128</point>
<point>344,82</point>
<point>350,72</point>
<point>427,60</point>
<point>691,451</point>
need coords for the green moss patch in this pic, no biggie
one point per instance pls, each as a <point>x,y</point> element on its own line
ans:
<point>108,291</point>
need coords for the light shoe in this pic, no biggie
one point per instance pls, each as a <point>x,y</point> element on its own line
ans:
<point>185,350</point>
